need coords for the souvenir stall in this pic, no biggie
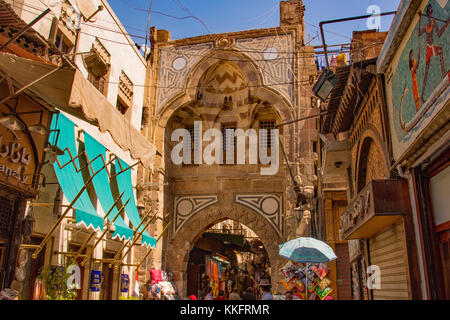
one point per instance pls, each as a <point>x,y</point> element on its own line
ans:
<point>161,286</point>
<point>216,269</point>
<point>305,275</point>
<point>306,281</point>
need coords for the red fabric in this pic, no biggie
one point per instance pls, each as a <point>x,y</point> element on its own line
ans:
<point>156,276</point>
<point>220,298</point>
<point>192,297</point>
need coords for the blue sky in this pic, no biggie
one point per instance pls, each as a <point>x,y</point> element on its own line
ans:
<point>216,16</point>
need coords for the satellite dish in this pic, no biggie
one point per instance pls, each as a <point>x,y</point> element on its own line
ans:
<point>87,8</point>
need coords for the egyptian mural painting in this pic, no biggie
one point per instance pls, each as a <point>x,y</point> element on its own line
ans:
<point>420,82</point>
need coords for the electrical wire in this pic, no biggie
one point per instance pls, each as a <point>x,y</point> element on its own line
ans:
<point>211,57</point>
<point>142,37</point>
<point>165,14</point>
<point>189,12</point>
<point>137,36</point>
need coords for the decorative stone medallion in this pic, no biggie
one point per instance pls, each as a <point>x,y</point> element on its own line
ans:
<point>268,205</point>
<point>187,206</point>
<point>179,63</point>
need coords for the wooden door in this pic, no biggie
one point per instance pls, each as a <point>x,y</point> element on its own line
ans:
<point>107,278</point>
<point>193,280</point>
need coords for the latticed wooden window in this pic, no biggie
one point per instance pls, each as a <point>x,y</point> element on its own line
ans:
<point>126,89</point>
<point>194,142</point>
<point>229,140</point>
<point>266,141</point>
<point>98,65</point>
<point>6,212</point>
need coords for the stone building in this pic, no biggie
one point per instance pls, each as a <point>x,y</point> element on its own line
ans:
<point>415,60</point>
<point>371,212</point>
<point>254,79</point>
<point>93,149</point>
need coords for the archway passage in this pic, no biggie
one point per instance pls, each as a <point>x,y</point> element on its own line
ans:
<point>182,243</point>
<point>227,257</point>
<point>225,96</point>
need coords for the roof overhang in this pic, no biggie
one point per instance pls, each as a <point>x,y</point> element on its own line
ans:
<point>69,91</point>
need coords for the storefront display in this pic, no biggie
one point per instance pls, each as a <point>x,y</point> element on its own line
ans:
<point>306,281</point>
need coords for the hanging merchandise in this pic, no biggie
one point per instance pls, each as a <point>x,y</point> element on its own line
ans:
<point>306,281</point>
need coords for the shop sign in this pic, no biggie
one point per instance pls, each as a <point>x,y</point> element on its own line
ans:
<point>96,280</point>
<point>14,159</point>
<point>124,283</point>
<point>379,204</point>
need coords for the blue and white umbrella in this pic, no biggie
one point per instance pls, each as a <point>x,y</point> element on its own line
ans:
<point>307,250</point>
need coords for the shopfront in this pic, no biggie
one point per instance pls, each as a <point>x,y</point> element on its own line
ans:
<point>416,63</point>
<point>23,132</point>
<point>375,220</point>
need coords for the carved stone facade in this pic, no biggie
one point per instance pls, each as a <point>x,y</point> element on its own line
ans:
<point>242,80</point>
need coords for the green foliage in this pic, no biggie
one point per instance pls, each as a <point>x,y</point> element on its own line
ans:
<point>55,282</point>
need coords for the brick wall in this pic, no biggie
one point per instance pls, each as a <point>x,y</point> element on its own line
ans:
<point>343,266</point>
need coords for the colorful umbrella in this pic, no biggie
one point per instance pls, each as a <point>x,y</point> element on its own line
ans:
<point>308,250</point>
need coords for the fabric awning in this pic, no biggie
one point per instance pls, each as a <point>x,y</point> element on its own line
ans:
<point>235,239</point>
<point>70,180</point>
<point>102,186</point>
<point>68,90</point>
<point>125,186</point>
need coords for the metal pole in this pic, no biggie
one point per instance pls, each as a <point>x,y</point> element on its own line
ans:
<point>78,253</point>
<point>146,255</point>
<point>103,234</point>
<point>304,118</point>
<point>134,241</point>
<point>345,19</point>
<point>47,237</point>
<point>116,257</point>
<point>21,32</point>
<point>30,84</point>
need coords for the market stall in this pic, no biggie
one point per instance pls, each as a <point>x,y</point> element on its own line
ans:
<point>306,281</point>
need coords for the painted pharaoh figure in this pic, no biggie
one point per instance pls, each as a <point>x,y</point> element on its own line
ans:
<point>432,49</point>
<point>421,73</point>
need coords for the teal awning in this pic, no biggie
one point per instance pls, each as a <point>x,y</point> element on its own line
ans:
<point>70,180</point>
<point>125,186</point>
<point>102,186</point>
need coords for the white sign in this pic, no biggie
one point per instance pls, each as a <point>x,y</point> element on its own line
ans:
<point>374,22</point>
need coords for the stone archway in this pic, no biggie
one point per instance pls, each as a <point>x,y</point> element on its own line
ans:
<point>186,96</point>
<point>181,243</point>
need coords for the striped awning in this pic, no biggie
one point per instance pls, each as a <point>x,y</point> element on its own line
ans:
<point>68,172</point>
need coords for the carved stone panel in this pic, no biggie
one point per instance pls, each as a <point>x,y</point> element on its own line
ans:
<point>187,206</point>
<point>270,206</point>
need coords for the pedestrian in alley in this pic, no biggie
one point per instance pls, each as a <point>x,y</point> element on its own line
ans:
<point>248,294</point>
<point>209,295</point>
<point>221,296</point>
<point>9,294</point>
<point>266,294</point>
<point>288,295</point>
<point>234,295</point>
